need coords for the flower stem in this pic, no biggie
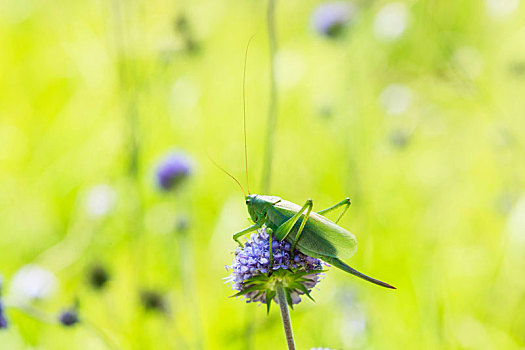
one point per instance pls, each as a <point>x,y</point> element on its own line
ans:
<point>285,315</point>
<point>127,90</point>
<point>189,287</point>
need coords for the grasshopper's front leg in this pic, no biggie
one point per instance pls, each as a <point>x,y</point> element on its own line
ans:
<point>244,232</point>
<point>283,230</point>
<point>346,202</point>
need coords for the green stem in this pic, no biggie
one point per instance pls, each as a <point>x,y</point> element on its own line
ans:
<point>189,286</point>
<point>285,315</point>
<point>187,271</point>
<point>34,313</point>
<point>272,110</point>
<point>249,332</point>
<point>128,95</point>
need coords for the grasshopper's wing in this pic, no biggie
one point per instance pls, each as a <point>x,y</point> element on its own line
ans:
<point>343,241</point>
<point>320,237</point>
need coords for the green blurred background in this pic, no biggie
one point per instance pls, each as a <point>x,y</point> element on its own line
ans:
<point>422,129</point>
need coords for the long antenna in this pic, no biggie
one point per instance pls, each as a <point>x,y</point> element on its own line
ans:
<point>227,173</point>
<point>244,111</point>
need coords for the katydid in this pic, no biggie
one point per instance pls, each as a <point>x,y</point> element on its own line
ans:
<point>307,231</point>
<point>314,235</point>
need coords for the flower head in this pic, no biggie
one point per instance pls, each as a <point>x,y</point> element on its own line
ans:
<point>330,18</point>
<point>172,170</point>
<point>32,282</point>
<point>100,200</point>
<point>68,318</point>
<point>396,99</point>
<point>3,320</point>
<point>251,265</point>
<point>391,21</point>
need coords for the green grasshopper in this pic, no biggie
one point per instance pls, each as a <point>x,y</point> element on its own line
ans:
<point>315,235</point>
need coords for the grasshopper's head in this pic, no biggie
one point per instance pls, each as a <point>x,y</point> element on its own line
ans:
<point>258,206</point>
<point>254,207</point>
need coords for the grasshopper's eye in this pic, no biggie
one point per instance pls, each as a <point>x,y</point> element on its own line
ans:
<point>247,201</point>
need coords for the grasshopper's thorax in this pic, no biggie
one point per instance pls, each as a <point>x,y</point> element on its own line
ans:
<point>258,206</point>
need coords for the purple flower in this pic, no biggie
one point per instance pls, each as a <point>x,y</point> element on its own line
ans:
<point>3,320</point>
<point>172,170</point>
<point>249,270</point>
<point>330,18</point>
<point>68,318</point>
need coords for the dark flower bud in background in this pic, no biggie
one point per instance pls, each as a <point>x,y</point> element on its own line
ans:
<point>250,267</point>
<point>153,300</point>
<point>330,18</point>
<point>172,170</point>
<point>399,138</point>
<point>98,277</point>
<point>68,318</point>
<point>183,28</point>
<point>182,24</point>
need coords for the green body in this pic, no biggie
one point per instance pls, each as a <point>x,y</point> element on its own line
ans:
<point>319,237</point>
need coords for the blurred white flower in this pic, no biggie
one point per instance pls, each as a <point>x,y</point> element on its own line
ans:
<point>501,8</point>
<point>32,282</point>
<point>354,320</point>
<point>185,94</point>
<point>100,200</point>
<point>395,99</point>
<point>391,21</point>
<point>471,333</point>
<point>289,68</point>
<point>516,222</point>
<point>354,325</point>
<point>469,60</point>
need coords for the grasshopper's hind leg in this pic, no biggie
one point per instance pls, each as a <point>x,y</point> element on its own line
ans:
<point>346,202</point>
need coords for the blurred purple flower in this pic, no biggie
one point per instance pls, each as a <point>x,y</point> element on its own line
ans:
<point>250,268</point>
<point>172,170</point>
<point>68,318</point>
<point>330,18</point>
<point>3,320</point>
